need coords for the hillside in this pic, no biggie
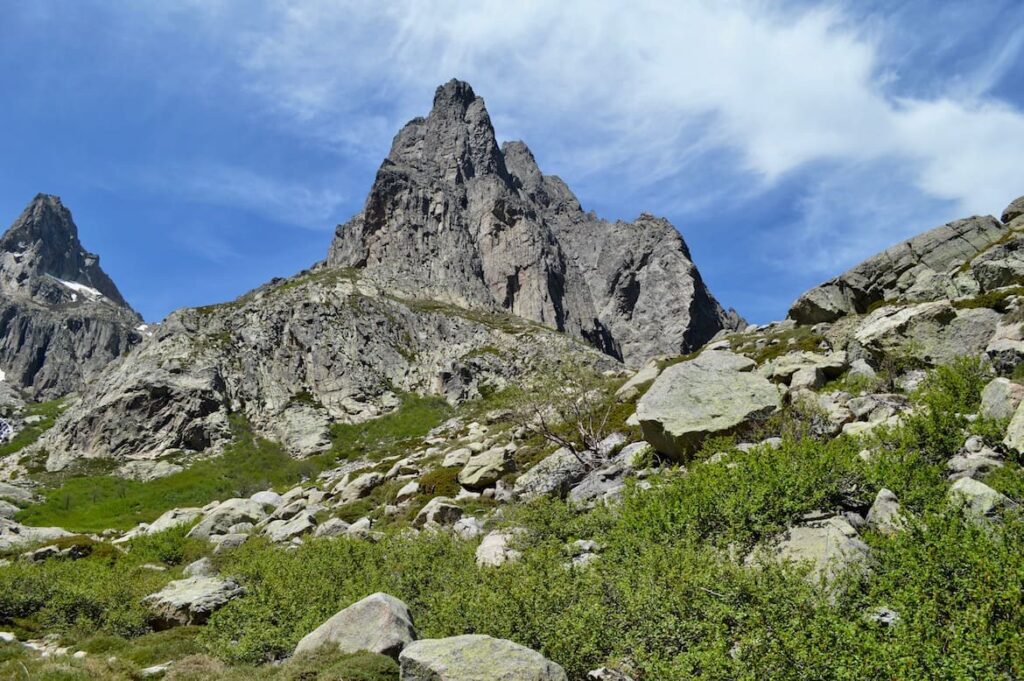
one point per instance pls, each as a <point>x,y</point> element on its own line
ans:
<point>492,436</point>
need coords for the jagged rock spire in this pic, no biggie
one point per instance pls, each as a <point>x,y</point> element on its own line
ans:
<point>451,216</point>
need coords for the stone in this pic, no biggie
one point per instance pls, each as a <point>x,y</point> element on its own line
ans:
<point>486,468</point>
<point>934,332</point>
<point>884,617</point>
<point>408,491</point>
<point>891,274</point>
<point>496,549</point>
<point>554,475</point>
<point>280,531</point>
<point>885,515</point>
<point>630,390</point>
<point>807,378</point>
<point>1000,398</point>
<point>332,527</point>
<point>8,510</point>
<point>606,674</point>
<point>146,470</point>
<point>190,601</point>
<point>379,624</point>
<point>360,487</point>
<point>226,542</point>
<point>457,457</point>
<point>439,512</point>
<point>174,518</point>
<point>828,366</point>
<point>225,515</point>
<point>14,535</point>
<point>828,542</point>
<point>468,528</point>
<point>200,568</point>
<point>14,493</point>
<point>1013,211</point>
<point>715,394</point>
<point>860,369</point>
<point>977,499</point>
<point>1015,430</point>
<point>973,465</point>
<point>475,657</point>
<point>267,498</point>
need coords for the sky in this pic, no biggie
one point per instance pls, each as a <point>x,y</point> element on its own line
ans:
<point>206,146</point>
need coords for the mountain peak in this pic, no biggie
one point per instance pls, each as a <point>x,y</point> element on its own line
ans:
<point>453,94</point>
<point>43,244</point>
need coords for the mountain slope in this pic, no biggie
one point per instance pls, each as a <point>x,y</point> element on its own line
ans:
<point>62,319</point>
<point>454,217</point>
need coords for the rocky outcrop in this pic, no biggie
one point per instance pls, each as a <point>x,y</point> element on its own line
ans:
<point>928,267</point>
<point>328,343</point>
<point>453,217</point>
<point>62,319</point>
<point>474,657</point>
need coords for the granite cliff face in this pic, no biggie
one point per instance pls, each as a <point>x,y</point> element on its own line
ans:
<point>62,319</point>
<point>456,218</point>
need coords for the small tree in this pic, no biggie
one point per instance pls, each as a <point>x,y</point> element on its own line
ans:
<point>570,405</point>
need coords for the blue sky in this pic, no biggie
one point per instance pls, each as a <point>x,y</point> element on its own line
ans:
<point>207,146</point>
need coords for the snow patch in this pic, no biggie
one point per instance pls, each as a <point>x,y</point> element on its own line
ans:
<point>88,291</point>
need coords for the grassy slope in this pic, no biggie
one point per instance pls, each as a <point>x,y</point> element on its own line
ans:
<point>665,595</point>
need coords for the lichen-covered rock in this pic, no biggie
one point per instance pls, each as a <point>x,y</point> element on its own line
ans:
<point>934,332</point>
<point>885,515</point>
<point>495,549</point>
<point>439,512</point>
<point>15,535</point>
<point>890,274</point>
<point>486,468</point>
<point>714,394</point>
<point>554,475</point>
<point>190,601</point>
<point>978,499</point>
<point>1000,398</point>
<point>829,543</point>
<point>475,658</point>
<point>226,515</point>
<point>379,623</point>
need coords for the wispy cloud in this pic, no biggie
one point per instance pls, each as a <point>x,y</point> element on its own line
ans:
<point>289,202</point>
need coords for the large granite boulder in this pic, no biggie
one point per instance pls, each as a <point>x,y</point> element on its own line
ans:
<point>714,394</point>
<point>475,658</point>
<point>486,468</point>
<point>190,601</point>
<point>554,475</point>
<point>14,535</point>
<point>379,623</point>
<point>226,515</point>
<point>934,332</point>
<point>827,542</point>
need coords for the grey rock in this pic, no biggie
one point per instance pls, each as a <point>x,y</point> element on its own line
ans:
<point>378,624</point>
<point>554,475</point>
<point>147,470</point>
<point>861,369</point>
<point>1013,211</point>
<point>892,273</point>
<point>606,674</point>
<point>280,531</point>
<point>227,514</point>
<point>828,542</point>
<point>360,487</point>
<point>267,498</point>
<point>977,499</point>
<point>493,232</point>
<point>15,493</point>
<point>7,509</point>
<point>15,535</point>
<point>173,518</point>
<point>715,394</point>
<point>475,657</point>
<point>1000,398</point>
<point>885,515</point>
<point>439,512</point>
<point>190,601</point>
<point>64,319</point>
<point>332,527</point>
<point>200,568</point>
<point>932,332</point>
<point>496,549</point>
<point>885,617</point>
<point>486,468</point>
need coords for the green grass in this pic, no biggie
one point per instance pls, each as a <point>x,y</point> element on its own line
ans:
<point>49,411</point>
<point>801,336</point>
<point>94,503</point>
<point>391,434</point>
<point>669,597</point>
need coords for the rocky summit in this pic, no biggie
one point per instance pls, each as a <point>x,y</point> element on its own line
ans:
<point>62,319</point>
<point>454,217</point>
<point>493,437</point>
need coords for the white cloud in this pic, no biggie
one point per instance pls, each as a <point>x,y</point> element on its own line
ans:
<point>638,92</point>
<point>286,201</point>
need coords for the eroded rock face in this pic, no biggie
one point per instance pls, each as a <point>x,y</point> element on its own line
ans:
<point>458,219</point>
<point>927,264</point>
<point>379,623</point>
<point>62,319</point>
<point>326,345</point>
<point>475,658</point>
<point>714,394</point>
